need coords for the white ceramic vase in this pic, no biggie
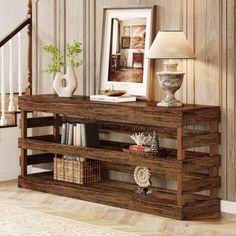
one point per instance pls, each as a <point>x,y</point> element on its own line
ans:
<point>65,84</point>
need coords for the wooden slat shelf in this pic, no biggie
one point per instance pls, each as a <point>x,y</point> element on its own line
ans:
<point>147,112</point>
<point>193,161</point>
<point>186,173</point>
<point>191,139</point>
<point>115,193</point>
<point>40,158</point>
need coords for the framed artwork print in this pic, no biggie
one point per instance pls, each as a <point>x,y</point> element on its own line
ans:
<point>127,31</point>
<point>127,36</point>
<point>125,42</point>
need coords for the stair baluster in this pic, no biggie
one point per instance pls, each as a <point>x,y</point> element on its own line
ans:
<point>11,107</point>
<point>19,66</point>
<point>3,96</point>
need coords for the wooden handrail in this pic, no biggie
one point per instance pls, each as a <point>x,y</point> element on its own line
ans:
<point>26,22</point>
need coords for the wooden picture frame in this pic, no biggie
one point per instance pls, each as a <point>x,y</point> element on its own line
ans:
<point>117,55</point>
<point>125,42</point>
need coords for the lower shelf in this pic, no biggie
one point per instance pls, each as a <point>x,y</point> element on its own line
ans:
<point>120,194</point>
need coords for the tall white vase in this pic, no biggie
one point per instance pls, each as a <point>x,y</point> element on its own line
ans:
<point>65,84</point>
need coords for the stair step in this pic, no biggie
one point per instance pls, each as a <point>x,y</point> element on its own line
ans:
<point>7,99</point>
<point>10,116</point>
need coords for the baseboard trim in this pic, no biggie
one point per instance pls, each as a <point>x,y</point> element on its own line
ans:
<point>228,207</point>
<point>9,174</point>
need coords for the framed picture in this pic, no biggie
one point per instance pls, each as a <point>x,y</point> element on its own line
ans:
<point>139,31</point>
<point>138,43</point>
<point>126,31</point>
<point>127,35</point>
<point>125,42</point>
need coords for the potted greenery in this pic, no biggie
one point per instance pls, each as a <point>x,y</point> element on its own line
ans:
<point>64,84</point>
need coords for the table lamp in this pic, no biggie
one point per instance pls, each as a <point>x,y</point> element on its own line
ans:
<point>170,45</point>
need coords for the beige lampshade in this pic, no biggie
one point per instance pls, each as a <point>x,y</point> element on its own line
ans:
<point>170,45</point>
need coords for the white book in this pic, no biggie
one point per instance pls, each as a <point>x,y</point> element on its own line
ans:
<point>83,140</point>
<point>103,98</point>
<point>75,140</point>
<point>83,135</point>
<point>79,142</point>
<point>63,133</point>
<point>70,134</point>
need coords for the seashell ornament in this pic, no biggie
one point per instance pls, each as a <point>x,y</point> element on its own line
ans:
<point>142,176</point>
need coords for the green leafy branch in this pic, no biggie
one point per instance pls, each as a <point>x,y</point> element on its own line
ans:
<point>73,53</point>
<point>57,60</point>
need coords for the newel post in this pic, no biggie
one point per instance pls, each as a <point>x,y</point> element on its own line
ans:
<point>28,90</point>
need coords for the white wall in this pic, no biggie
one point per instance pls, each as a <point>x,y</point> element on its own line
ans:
<point>11,13</point>
<point>9,153</point>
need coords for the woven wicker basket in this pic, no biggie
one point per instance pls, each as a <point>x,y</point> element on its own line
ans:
<point>76,171</point>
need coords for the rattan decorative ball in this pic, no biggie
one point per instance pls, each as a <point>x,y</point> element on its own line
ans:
<point>142,176</point>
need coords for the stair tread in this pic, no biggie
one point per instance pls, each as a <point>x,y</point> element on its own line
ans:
<point>10,116</point>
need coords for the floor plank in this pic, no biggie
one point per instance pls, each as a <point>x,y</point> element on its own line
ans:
<point>112,217</point>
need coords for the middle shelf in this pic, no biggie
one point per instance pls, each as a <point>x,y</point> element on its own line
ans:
<point>193,160</point>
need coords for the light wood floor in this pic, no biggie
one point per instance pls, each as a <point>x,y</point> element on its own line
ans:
<point>115,218</point>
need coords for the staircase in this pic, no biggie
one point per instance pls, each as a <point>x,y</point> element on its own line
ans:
<point>11,88</point>
<point>10,117</point>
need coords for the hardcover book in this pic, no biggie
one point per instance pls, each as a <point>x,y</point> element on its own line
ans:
<point>104,98</point>
<point>89,135</point>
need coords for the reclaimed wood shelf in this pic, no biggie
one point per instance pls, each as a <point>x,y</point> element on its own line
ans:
<point>121,194</point>
<point>193,171</point>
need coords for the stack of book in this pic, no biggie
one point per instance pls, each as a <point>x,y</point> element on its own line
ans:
<point>79,134</point>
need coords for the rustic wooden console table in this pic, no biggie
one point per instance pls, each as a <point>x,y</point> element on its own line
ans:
<point>191,171</point>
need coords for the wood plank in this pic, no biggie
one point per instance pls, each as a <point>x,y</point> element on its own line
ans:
<point>44,13</point>
<point>230,109</point>
<point>36,122</point>
<point>201,163</point>
<point>201,140</point>
<point>202,208</point>
<point>148,112</point>
<point>161,174</point>
<point>213,152</point>
<point>110,193</point>
<point>161,201</point>
<point>194,161</point>
<point>115,156</point>
<point>180,157</point>
<point>202,116</point>
<point>40,158</point>
<point>23,157</point>
<point>163,132</point>
<point>180,194</point>
<point>123,168</point>
<point>201,184</point>
<point>74,12</point>
<point>180,147</point>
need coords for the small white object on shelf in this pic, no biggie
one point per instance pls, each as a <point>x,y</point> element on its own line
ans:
<point>142,176</point>
<point>104,98</point>
<point>140,139</point>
